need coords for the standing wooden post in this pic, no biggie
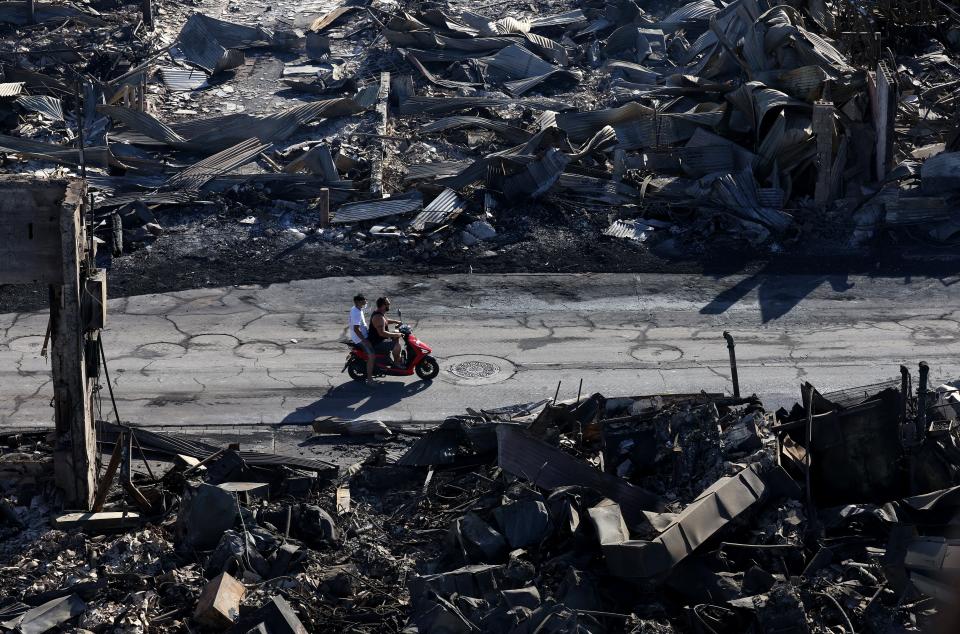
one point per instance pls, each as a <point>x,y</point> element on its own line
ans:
<point>42,241</point>
<point>823,130</point>
<point>146,7</point>
<point>75,443</point>
<point>324,207</point>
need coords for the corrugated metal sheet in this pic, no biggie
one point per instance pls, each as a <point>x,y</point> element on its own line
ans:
<point>440,55</point>
<point>433,79</point>
<point>537,177</point>
<point>477,44</point>
<point>171,445</point>
<point>517,62</point>
<point>233,35</point>
<point>218,133</point>
<point>11,89</point>
<point>55,153</point>
<point>700,11</point>
<point>435,170</point>
<point>153,198</point>
<point>553,51</point>
<point>143,123</point>
<point>50,107</point>
<point>200,48</point>
<point>576,16</point>
<point>443,105</point>
<point>508,25</point>
<point>374,209</point>
<point>634,72</point>
<point>183,79</point>
<point>442,209</point>
<point>630,229</point>
<point>580,126</point>
<point>195,176</point>
<point>507,131</point>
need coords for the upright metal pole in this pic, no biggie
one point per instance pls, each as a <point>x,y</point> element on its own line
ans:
<point>922,402</point>
<point>733,363</point>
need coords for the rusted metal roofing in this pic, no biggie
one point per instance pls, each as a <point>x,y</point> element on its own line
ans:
<point>373,209</point>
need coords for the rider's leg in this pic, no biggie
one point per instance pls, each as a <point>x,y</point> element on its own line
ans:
<point>396,353</point>
<point>371,357</point>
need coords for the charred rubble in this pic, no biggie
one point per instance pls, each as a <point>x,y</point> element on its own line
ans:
<point>453,129</point>
<point>686,512</point>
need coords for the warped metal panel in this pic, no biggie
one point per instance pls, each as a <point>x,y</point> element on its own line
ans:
<point>183,79</point>
<point>550,468</point>
<point>195,176</point>
<point>374,209</point>
<point>50,107</point>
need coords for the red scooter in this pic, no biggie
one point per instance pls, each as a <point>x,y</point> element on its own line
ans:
<point>416,354</point>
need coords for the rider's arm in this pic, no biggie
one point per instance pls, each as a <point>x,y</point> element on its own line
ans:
<point>381,325</point>
<point>359,333</point>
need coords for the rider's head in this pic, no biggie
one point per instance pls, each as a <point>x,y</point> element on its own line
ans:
<point>383,304</point>
<point>359,301</point>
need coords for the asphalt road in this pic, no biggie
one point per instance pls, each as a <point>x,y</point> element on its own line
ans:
<point>244,356</point>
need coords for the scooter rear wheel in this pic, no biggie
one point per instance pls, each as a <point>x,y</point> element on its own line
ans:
<point>428,368</point>
<point>357,370</point>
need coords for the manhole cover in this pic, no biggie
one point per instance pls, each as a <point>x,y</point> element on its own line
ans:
<point>474,369</point>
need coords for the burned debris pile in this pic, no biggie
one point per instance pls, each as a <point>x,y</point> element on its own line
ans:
<point>446,126</point>
<point>693,513</point>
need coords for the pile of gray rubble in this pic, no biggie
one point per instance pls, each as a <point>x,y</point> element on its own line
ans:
<point>442,124</point>
<point>685,512</point>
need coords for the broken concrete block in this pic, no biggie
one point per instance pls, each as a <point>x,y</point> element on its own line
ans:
<point>481,230</point>
<point>941,174</point>
<point>219,602</point>
<point>206,513</point>
<point>97,522</point>
<point>524,523</point>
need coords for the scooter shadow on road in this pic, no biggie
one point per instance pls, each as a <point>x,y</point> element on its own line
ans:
<point>354,399</point>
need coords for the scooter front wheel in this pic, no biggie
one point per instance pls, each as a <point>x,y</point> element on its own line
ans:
<point>428,368</point>
<point>357,369</point>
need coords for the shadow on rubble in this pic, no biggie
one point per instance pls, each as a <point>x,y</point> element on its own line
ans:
<point>353,400</point>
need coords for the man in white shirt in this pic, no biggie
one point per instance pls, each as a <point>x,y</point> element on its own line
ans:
<point>358,332</point>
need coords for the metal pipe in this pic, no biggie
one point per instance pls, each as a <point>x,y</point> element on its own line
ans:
<point>922,402</point>
<point>733,363</point>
